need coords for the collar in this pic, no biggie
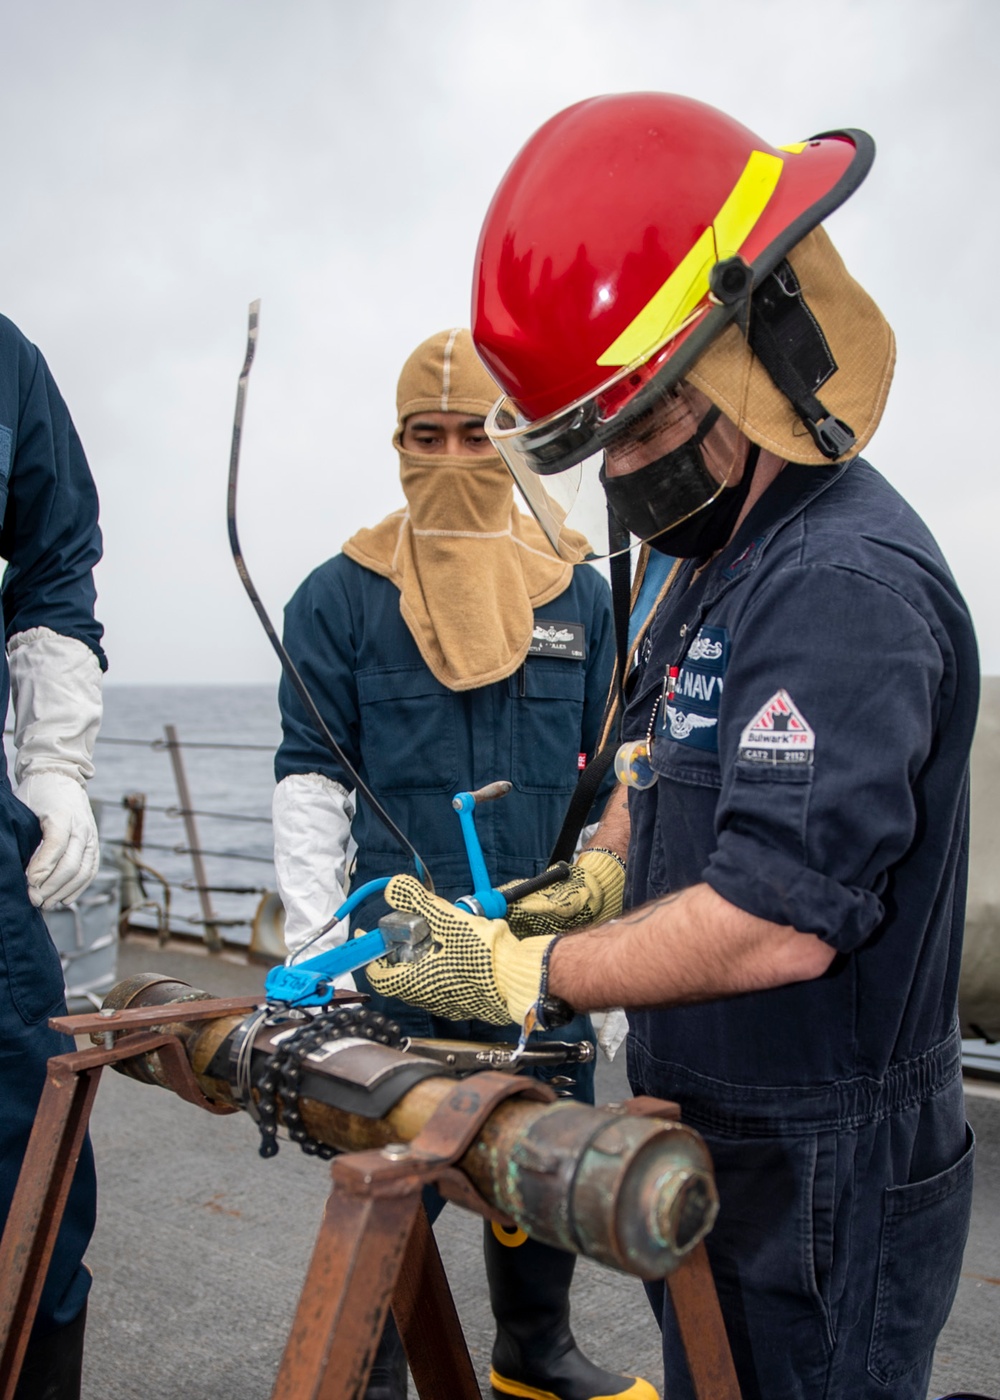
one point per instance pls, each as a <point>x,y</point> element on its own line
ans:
<point>795,487</point>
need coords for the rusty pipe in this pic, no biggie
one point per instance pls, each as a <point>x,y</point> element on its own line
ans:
<point>634,1193</point>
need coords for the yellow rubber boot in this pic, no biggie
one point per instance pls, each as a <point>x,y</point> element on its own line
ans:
<point>535,1355</point>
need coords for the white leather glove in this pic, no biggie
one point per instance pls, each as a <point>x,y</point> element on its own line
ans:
<point>67,859</point>
<point>611,1028</point>
<point>55,685</point>
<point>312,834</point>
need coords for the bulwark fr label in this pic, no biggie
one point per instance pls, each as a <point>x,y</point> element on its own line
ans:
<point>566,639</point>
<point>779,733</point>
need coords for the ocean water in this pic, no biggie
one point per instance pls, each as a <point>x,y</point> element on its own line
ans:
<point>228,736</point>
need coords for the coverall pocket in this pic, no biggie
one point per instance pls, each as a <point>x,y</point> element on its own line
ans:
<point>546,698</point>
<point>775,798</point>
<point>924,1228</point>
<point>408,722</point>
<point>34,973</point>
<point>686,798</point>
<point>25,825</point>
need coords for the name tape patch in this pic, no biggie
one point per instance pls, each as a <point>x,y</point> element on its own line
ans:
<point>778,733</point>
<point>565,639</point>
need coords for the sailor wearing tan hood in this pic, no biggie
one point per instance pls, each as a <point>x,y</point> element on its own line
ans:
<point>446,647</point>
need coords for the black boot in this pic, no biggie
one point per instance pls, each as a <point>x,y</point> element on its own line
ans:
<point>387,1379</point>
<point>535,1354</point>
<point>53,1362</point>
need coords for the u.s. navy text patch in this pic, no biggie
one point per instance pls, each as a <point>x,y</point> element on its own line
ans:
<point>691,715</point>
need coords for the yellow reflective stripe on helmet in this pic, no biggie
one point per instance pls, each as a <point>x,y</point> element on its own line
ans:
<point>795,149</point>
<point>743,208</point>
<point>667,310</point>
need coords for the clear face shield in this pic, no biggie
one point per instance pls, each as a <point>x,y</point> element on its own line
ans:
<point>659,454</point>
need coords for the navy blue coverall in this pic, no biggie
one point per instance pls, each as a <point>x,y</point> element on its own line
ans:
<point>416,743</point>
<point>813,770</point>
<point>51,542</point>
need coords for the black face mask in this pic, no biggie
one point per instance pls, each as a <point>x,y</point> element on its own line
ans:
<point>679,485</point>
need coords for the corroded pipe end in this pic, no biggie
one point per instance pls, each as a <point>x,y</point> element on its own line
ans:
<point>635,1193</point>
<point>684,1209</point>
<point>150,989</point>
<point>658,1178</point>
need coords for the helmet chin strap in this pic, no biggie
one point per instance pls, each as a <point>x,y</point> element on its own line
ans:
<point>787,339</point>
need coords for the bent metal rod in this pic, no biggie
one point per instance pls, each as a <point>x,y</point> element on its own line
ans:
<point>287,664</point>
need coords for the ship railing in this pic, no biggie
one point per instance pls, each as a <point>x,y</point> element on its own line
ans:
<point>148,902</point>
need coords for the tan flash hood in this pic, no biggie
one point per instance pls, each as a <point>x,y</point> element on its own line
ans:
<point>861,344</point>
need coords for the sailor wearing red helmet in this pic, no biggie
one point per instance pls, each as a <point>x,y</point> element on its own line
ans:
<point>669,319</point>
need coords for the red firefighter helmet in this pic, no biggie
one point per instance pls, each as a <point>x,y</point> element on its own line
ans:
<point>627,234</point>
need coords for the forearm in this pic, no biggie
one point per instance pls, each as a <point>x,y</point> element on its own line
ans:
<point>689,947</point>
<point>612,832</point>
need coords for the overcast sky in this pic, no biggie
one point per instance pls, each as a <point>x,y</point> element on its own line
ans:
<point>164,164</point>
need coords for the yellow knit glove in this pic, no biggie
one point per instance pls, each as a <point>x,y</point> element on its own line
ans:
<point>475,968</point>
<point>591,893</point>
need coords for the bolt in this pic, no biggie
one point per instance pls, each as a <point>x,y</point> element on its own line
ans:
<point>395,1151</point>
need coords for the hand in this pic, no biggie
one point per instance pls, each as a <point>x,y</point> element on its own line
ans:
<point>66,860</point>
<point>590,894</point>
<point>475,968</point>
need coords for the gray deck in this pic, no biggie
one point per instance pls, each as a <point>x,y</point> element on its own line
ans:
<point>201,1246</point>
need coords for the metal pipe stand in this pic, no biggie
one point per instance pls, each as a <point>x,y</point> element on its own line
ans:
<point>374,1249</point>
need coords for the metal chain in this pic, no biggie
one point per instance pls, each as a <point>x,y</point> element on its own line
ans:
<point>278,1085</point>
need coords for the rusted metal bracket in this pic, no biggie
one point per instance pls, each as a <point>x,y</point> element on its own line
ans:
<point>692,1292</point>
<point>50,1160</point>
<point>37,1207</point>
<point>444,1138</point>
<point>135,1018</point>
<point>55,1144</point>
<point>374,1249</point>
<point>703,1332</point>
<point>124,1039</point>
<point>375,1246</point>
